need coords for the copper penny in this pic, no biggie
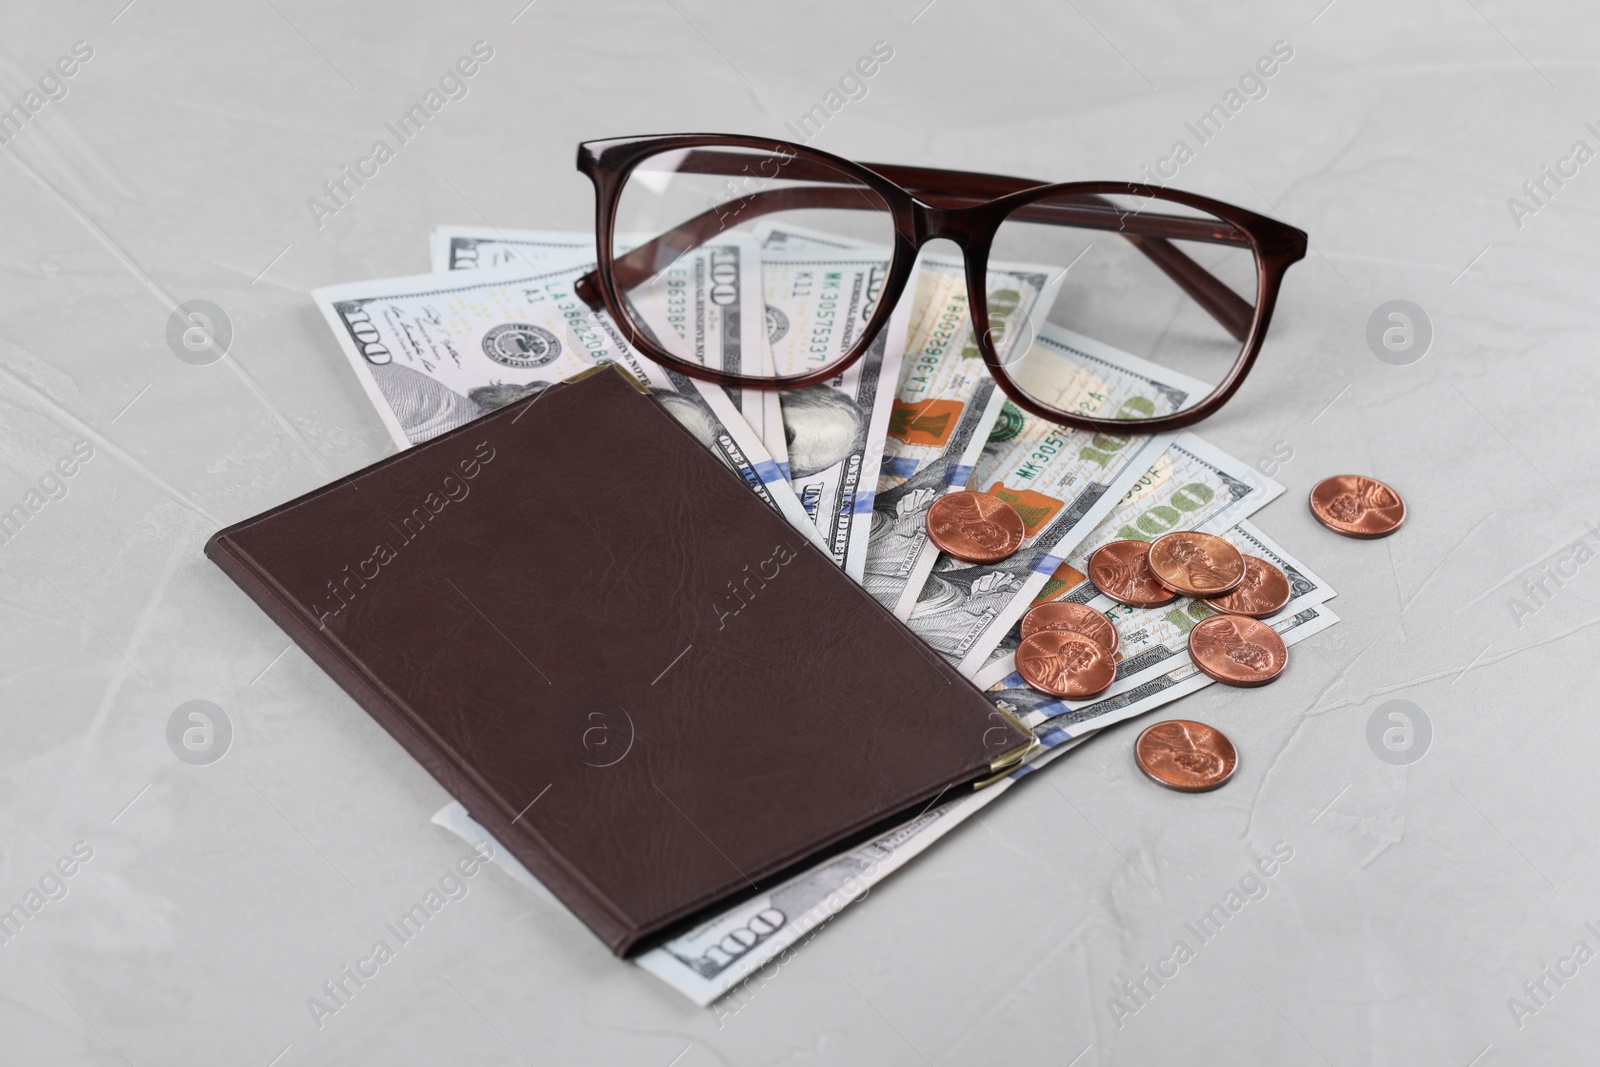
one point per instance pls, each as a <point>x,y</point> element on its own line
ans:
<point>1195,563</point>
<point>975,527</point>
<point>1357,506</point>
<point>1237,651</point>
<point>1077,618</point>
<point>1121,570</point>
<point>1188,756</point>
<point>1065,664</point>
<point>1264,591</point>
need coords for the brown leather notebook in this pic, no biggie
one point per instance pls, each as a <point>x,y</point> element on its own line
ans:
<point>637,676</point>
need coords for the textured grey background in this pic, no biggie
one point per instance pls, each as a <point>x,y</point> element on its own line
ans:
<point>219,898</point>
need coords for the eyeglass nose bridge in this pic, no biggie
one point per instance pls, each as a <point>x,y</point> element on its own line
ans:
<point>959,225</point>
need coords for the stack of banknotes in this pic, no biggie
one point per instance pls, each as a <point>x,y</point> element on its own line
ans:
<point>854,464</point>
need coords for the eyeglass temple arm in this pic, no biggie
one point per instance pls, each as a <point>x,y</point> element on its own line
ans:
<point>1206,289</point>
<point>1146,232</point>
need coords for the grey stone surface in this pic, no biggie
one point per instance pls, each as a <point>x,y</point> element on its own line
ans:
<point>219,897</point>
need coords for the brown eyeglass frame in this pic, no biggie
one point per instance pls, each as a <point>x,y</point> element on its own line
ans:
<point>926,203</point>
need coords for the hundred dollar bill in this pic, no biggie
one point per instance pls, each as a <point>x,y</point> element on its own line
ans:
<point>782,237</point>
<point>481,247</point>
<point>1063,482</point>
<point>945,406</point>
<point>1056,721</point>
<point>716,288</point>
<point>438,350</point>
<point>711,298</point>
<point>1191,486</point>
<point>1153,639</point>
<point>817,306</point>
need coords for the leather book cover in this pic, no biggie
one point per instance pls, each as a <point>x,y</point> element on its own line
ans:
<point>636,675</point>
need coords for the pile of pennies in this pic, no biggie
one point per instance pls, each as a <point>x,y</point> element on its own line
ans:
<point>1192,757</point>
<point>1069,650</point>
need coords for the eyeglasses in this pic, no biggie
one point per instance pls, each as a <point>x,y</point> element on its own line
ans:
<point>1067,286</point>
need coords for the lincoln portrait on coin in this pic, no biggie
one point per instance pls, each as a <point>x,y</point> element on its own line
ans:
<point>1242,651</point>
<point>1366,496</point>
<point>1197,565</point>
